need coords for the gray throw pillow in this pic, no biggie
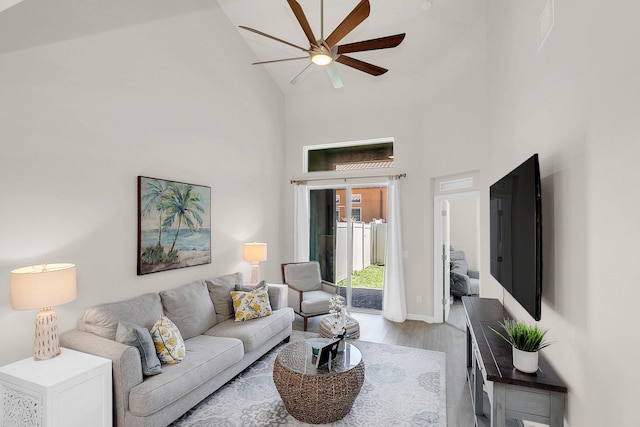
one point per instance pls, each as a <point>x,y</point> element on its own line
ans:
<point>220,292</point>
<point>140,338</point>
<point>249,288</point>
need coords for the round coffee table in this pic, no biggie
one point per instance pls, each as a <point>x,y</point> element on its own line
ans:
<point>318,395</point>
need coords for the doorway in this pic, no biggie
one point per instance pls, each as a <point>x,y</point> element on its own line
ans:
<point>347,236</point>
<point>456,251</point>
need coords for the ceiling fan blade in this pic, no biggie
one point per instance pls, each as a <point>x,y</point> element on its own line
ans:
<point>374,70</point>
<point>336,81</point>
<point>280,60</point>
<point>355,18</point>
<point>274,38</point>
<point>302,20</point>
<point>373,44</point>
<point>301,74</point>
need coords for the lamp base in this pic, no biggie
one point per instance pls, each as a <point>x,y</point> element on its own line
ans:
<point>255,274</point>
<point>47,343</point>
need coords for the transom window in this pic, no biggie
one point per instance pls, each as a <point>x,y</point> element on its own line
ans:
<point>371,154</point>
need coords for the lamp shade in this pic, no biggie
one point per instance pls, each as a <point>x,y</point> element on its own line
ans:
<point>254,252</point>
<point>41,286</point>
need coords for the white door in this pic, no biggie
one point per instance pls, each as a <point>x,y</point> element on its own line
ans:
<point>446,257</point>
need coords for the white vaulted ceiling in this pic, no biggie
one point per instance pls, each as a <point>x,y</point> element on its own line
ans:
<point>429,33</point>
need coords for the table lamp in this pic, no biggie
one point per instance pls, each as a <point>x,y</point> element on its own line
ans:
<point>42,287</point>
<point>254,253</point>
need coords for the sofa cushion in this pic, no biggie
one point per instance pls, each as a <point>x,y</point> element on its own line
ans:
<point>168,341</point>
<point>103,319</point>
<point>251,305</point>
<point>207,356</point>
<point>303,276</point>
<point>140,338</point>
<point>220,292</point>
<point>190,308</point>
<point>256,332</point>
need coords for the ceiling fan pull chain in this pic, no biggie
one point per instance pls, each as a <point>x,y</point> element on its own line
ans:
<point>322,20</point>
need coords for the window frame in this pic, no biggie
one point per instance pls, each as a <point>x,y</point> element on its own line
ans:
<point>307,148</point>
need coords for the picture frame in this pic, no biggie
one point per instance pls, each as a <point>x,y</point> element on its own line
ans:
<point>174,225</point>
<point>327,353</point>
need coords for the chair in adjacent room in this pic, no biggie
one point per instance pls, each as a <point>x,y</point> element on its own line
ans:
<point>308,293</point>
<point>463,280</point>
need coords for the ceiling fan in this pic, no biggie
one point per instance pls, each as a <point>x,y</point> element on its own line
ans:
<point>326,52</point>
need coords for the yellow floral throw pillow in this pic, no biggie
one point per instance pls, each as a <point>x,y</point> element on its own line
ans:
<point>168,341</point>
<point>251,305</point>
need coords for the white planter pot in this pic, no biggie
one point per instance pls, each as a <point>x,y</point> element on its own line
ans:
<point>525,361</point>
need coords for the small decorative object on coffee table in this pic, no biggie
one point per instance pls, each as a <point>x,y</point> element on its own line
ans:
<point>313,394</point>
<point>338,320</point>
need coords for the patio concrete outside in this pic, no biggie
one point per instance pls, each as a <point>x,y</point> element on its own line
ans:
<point>364,298</point>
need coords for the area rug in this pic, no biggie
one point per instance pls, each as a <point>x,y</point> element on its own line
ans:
<point>403,387</point>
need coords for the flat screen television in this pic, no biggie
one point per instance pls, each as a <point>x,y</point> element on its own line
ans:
<point>516,235</point>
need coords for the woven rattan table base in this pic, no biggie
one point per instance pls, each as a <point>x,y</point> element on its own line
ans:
<point>318,399</point>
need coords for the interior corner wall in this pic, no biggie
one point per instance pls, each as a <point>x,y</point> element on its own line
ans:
<point>438,120</point>
<point>99,101</point>
<point>575,102</point>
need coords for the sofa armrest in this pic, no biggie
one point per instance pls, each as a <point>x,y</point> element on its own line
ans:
<point>474,274</point>
<point>278,296</point>
<point>126,364</point>
<point>460,285</point>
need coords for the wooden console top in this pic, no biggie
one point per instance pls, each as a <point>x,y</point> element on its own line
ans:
<point>495,353</point>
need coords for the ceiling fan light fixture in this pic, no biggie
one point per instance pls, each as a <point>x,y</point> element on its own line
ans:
<point>321,59</point>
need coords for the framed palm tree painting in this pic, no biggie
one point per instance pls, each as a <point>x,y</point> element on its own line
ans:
<point>174,225</point>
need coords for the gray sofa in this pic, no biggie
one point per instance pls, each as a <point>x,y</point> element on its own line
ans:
<point>217,347</point>
<point>463,280</point>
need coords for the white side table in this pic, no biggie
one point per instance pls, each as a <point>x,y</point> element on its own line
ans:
<point>73,389</point>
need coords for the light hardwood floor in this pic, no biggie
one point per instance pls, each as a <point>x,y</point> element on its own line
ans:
<point>449,338</point>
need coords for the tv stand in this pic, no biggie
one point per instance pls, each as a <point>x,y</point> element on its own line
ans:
<point>501,395</point>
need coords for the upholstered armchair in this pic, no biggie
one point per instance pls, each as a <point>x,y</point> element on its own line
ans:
<point>308,293</point>
<point>463,281</point>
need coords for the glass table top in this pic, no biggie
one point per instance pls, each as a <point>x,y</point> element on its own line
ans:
<point>298,357</point>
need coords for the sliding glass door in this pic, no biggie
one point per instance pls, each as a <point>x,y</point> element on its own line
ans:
<point>347,236</point>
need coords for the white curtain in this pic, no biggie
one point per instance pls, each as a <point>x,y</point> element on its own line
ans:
<point>301,223</point>
<point>395,303</point>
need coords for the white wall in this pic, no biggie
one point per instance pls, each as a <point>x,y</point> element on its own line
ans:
<point>464,228</point>
<point>438,120</point>
<point>576,104</point>
<point>89,101</point>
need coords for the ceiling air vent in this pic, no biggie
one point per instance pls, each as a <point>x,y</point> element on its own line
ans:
<point>457,184</point>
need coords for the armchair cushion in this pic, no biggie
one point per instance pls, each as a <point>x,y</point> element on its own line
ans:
<point>315,302</point>
<point>304,276</point>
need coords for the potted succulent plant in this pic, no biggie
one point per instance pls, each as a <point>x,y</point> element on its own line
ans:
<point>526,340</point>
